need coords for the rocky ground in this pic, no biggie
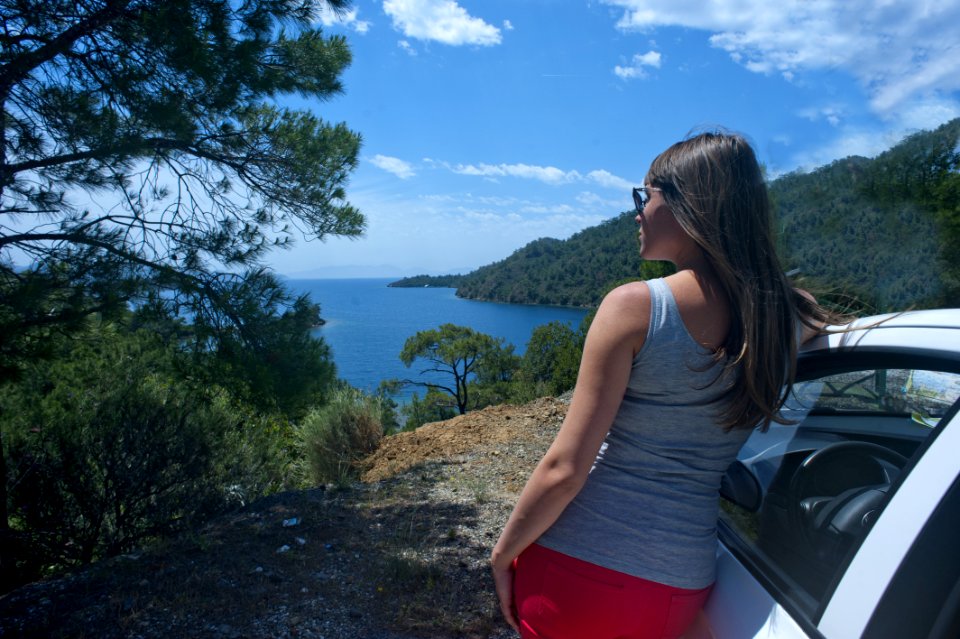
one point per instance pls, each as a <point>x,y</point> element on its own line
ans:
<point>401,554</point>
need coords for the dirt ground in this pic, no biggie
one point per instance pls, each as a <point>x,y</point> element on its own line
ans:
<point>496,434</point>
<point>401,554</point>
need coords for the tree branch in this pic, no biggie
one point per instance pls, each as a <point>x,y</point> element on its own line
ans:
<point>104,152</point>
<point>22,65</point>
<point>410,382</point>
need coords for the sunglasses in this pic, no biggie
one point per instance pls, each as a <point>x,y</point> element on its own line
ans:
<point>641,195</point>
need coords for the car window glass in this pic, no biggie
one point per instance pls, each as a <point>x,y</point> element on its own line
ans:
<point>824,480</point>
<point>925,395</point>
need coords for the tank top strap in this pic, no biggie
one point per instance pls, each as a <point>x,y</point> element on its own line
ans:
<point>664,314</point>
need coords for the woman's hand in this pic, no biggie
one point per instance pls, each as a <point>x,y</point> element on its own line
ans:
<point>503,581</point>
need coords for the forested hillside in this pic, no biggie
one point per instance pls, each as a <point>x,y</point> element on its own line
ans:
<point>437,281</point>
<point>572,272</point>
<point>885,231</point>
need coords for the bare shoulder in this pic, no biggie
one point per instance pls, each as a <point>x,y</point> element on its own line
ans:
<point>631,291</point>
<point>632,298</point>
<point>624,314</point>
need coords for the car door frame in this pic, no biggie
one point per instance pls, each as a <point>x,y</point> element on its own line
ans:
<point>848,606</point>
<point>857,594</point>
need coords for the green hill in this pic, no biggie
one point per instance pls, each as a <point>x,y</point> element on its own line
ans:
<point>572,272</point>
<point>885,230</point>
<point>428,281</point>
<point>882,229</point>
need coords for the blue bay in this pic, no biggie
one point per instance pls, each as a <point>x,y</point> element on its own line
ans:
<point>367,323</point>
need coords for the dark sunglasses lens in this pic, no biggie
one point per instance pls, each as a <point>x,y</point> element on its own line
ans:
<point>639,199</point>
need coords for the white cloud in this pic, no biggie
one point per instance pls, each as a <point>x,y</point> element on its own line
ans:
<point>398,167</point>
<point>501,201</point>
<point>609,180</point>
<point>440,20</point>
<point>638,65</point>
<point>483,216</point>
<point>897,49</point>
<point>547,208</point>
<point>863,142</point>
<point>912,116</point>
<point>437,198</point>
<point>507,25</point>
<point>927,114</point>
<point>548,174</point>
<point>328,18</point>
<point>832,114</point>
<point>590,200</point>
<point>403,44</point>
<point>783,138</point>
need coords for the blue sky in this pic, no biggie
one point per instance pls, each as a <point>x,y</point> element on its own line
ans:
<point>487,124</point>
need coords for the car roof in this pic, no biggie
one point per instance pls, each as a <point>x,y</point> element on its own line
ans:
<point>926,330</point>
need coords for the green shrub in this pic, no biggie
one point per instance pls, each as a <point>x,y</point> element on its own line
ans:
<point>106,448</point>
<point>337,435</point>
<point>433,407</point>
<point>256,456</point>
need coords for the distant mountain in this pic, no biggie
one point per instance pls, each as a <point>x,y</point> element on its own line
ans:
<point>884,230</point>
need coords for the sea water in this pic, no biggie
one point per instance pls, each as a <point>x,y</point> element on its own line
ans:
<point>367,323</point>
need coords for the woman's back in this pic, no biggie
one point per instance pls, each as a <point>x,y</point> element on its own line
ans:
<point>649,507</point>
<point>675,375</point>
<point>703,307</point>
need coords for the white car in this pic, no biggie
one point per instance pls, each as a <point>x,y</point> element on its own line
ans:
<point>847,524</point>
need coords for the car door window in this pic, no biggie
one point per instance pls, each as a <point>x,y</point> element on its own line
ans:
<point>819,484</point>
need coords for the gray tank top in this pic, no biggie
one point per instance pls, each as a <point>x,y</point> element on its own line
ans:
<point>649,507</point>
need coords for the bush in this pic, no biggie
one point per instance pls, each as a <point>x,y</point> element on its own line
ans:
<point>434,407</point>
<point>106,448</point>
<point>256,455</point>
<point>337,435</point>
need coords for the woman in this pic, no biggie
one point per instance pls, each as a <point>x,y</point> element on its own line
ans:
<point>614,535</point>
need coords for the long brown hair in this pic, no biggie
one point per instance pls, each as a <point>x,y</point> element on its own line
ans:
<point>715,190</point>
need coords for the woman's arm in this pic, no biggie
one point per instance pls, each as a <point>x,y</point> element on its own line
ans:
<point>616,335</point>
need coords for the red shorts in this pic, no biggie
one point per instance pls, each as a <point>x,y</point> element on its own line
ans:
<point>560,597</point>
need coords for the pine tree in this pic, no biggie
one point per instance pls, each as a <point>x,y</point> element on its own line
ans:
<point>144,159</point>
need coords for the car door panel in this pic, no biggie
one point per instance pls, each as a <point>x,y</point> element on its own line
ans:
<point>769,583</point>
<point>740,608</point>
<point>875,562</point>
